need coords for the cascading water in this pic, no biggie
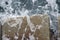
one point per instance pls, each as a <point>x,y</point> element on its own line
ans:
<point>14,8</point>
<point>53,15</point>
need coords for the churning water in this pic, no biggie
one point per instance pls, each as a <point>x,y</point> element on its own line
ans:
<point>14,8</point>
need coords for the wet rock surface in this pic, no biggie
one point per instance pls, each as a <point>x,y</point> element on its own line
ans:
<point>10,8</point>
<point>35,29</point>
<point>59,26</point>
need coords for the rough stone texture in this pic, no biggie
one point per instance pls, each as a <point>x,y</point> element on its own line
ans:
<point>59,23</point>
<point>22,28</point>
<point>59,26</point>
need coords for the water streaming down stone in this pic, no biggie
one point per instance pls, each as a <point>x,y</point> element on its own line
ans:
<point>37,26</point>
<point>21,8</point>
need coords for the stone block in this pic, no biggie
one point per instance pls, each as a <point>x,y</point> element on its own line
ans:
<point>35,27</point>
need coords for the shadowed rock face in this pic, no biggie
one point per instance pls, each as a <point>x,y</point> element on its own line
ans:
<point>22,28</point>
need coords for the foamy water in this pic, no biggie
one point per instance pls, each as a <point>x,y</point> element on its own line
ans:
<point>11,10</point>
